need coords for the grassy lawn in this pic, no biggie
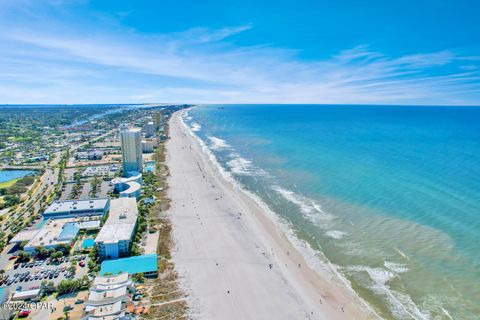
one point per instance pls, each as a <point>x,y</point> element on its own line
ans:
<point>9,183</point>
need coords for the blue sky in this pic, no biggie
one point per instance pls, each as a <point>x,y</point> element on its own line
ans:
<point>376,51</point>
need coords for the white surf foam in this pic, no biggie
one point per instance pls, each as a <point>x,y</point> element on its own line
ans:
<point>335,234</point>
<point>308,207</point>
<point>240,165</point>
<point>395,267</point>
<point>400,305</point>
<point>196,127</point>
<point>218,144</point>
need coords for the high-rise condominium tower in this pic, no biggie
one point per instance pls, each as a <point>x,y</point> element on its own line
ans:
<point>157,119</point>
<point>149,129</point>
<point>131,140</point>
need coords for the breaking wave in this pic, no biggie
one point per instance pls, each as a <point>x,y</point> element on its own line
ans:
<point>217,143</point>
<point>401,305</point>
<point>310,208</point>
<point>335,234</point>
<point>196,127</point>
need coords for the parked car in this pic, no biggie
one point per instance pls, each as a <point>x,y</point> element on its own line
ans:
<point>23,313</point>
<point>13,258</point>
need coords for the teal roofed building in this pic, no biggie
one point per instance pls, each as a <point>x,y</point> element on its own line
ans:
<point>146,264</point>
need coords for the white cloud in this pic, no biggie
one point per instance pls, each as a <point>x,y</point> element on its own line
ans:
<point>54,63</point>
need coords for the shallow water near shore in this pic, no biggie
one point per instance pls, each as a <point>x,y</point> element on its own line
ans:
<point>390,195</point>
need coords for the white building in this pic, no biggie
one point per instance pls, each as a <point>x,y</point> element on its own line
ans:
<point>131,141</point>
<point>109,297</point>
<point>76,208</point>
<point>115,237</point>
<point>149,129</point>
<point>106,283</point>
<point>25,295</point>
<point>53,233</point>
<point>147,146</point>
<point>130,185</point>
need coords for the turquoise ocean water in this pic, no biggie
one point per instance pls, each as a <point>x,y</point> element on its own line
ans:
<point>390,195</point>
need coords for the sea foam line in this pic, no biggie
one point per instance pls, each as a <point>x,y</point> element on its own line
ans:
<point>335,234</point>
<point>196,127</point>
<point>315,259</point>
<point>401,305</point>
<point>308,207</point>
<point>217,143</point>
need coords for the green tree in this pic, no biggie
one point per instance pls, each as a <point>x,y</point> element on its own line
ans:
<point>57,255</point>
<point>91,265</point>
<point>138,277</point>
<point>72,269</point>
<point>23,256</point>
<point>22,245</point>
<point>40,251</point>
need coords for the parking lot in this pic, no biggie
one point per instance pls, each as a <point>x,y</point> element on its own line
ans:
<point>29,275</point>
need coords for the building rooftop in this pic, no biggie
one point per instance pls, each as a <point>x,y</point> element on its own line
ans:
<point>121,221</point>
<point>25,235</point>
<point>104,311</point>
<point>71,206</point>
<point>110,282</point>
<point>26,294</point>
<point>69,231</point>
<point>54,232</point>
<point>92,224</point>
<point>106,296</point>
<point>130,176</point>
<point>131,265</point>
<point>133,187</point>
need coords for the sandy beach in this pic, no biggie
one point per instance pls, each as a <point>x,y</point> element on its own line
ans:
<point>232,260</point>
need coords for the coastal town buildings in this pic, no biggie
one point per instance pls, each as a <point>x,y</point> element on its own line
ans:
<point>59,221</point>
